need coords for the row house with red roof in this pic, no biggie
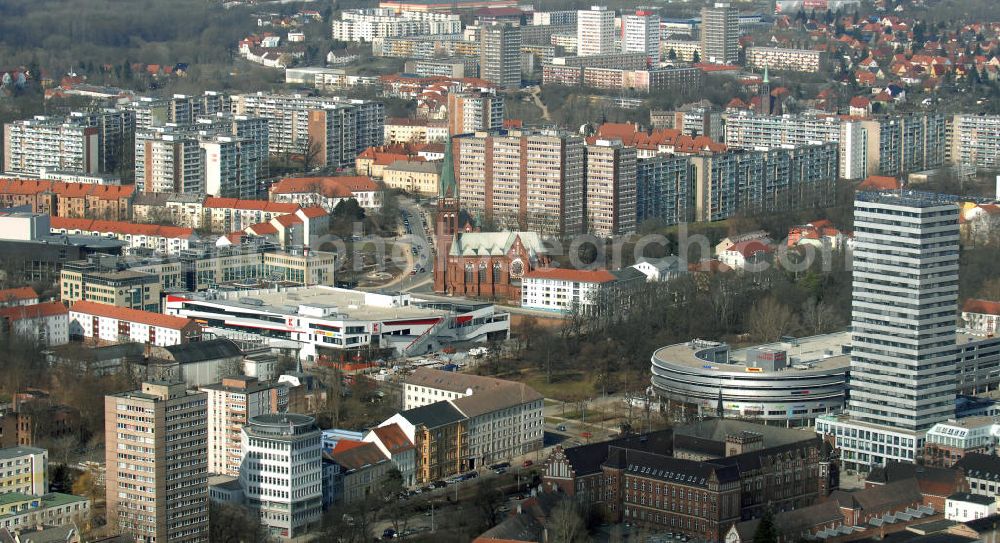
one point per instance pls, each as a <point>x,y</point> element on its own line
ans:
<point>327,192</point>
<point>72,200</point>
<point>10,297</point>
<point>820,234</point>
<point>564,290</point>
<point>981,317</point>
<point>138,238</point>
<point>45,324</point>
<point>113,324</point>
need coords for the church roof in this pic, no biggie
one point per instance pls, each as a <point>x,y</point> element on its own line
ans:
<point>496,244</point>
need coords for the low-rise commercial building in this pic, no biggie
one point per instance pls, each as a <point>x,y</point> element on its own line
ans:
<point>327,322</point>
<point>90,281</point>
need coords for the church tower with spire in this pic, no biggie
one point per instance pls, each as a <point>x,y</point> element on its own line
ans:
<point>765,94</point>
<point>446,219</point>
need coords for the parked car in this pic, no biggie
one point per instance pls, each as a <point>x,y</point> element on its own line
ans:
<point>561,427</point>
<point>527,464</point>
<point>389,533</point>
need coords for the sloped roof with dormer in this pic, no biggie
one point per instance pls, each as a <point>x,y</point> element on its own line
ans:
<point>496,244</point>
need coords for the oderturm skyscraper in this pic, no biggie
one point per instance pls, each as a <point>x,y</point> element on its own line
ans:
<point>905,298</point>
<point>903,331</point>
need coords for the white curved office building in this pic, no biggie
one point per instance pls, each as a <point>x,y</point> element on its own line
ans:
<point>281,472</point>
<point>788,383</point>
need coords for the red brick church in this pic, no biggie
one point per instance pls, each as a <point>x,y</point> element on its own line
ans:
<point>479,264</point>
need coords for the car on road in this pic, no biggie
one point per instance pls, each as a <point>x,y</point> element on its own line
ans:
<point>501,465</point>
<point>527,464</point>
<point>561,427</point>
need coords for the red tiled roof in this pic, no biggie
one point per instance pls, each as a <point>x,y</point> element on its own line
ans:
<point>118,227</point>
<point>313,212</point>
<point>288,220</point>
<point>35,311</point>
<point>879,182</point>
<point>393,438</point>
<point>973,305</point>
<point>330,187</point>
<point>346,445</point>
<point>259,205</point>
<point>263,228</point>
<point>566,274</point>
<point>15,294</point>
<point>66,190</point>
<point>131,315</point>
<point>750,248</point>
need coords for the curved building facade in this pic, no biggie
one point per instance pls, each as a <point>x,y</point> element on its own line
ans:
<point>281,472</point>
<point>789,383</point>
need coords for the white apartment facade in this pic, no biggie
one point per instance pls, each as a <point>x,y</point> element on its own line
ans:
<point>231,403</point>
<point>281,472</point>
<point>168,160</point>
<point>780,58</point>
<point>975,140</point>
<point>595,31</point>
<point>564,290</point>
<point>119,324</point>
<point>641,34</point>
<point>51,143</point>
<point>365,25</point>
<point>44,324</point>
<point>751,131</point>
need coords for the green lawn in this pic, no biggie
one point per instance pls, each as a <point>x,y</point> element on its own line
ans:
<point>565,386</point>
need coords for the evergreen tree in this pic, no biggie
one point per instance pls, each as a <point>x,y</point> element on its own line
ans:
<point>766,530</point>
